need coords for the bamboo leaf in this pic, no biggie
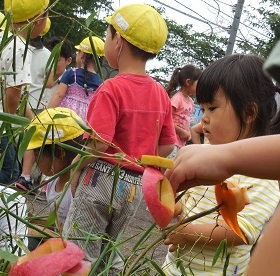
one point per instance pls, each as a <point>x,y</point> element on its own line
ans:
<point>14,119</point>
<point>157,267</point>
<point>51,219</point>
<point>145,236</point>
<point>226,265</point>
<point>221,248</point>
<point>8,256</point>
<point>25,141</point>
<point>90,19</point>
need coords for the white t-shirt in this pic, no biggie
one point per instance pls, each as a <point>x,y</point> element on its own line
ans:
<point>39,59</point>
<point>53,196</point>
<point>11,229</point>
<point>22,68</point>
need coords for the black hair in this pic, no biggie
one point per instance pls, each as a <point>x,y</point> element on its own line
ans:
<point>66,48</point>
<point>275,124</point>
<point>37,42</point>
<point>54,150</point>
<point>245,86</point>
<point>135,50</point>
<point>180,75</point>
<point>89,58</point>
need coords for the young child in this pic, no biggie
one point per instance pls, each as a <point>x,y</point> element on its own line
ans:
<point>12,61</point>
<point>77,85</point>
<point>39,59</point>
<point>237,100</point>
<point>182,104</point>
<point>64,60</point>
<point>131,115</point>
<point>55,158</point>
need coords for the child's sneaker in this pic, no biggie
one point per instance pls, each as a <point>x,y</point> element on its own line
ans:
<point>23,184</point>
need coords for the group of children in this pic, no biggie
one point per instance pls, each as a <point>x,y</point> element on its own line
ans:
<point>131,115</point>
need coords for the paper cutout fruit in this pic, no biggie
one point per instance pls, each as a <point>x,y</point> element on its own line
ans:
<point>52,258</point>
<point>233,200</point>
<point>159,196</point>
<point>157,161</point>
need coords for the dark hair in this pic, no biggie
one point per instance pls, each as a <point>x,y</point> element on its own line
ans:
<point>135,50</point>
<point>37,42</point>
<point>245,86</point>
<point>89,58</point>
<point>57,151</point>
<point>180,75</point>
<point>275,124</point>
<point>66,48</point>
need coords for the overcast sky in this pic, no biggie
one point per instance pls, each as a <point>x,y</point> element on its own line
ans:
<point>219,14</point>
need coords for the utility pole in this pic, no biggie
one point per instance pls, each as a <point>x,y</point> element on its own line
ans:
<point>234,26</point>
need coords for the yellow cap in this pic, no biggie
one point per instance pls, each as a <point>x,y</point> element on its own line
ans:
<point>65,127</point>
<point>86,47</point>
<point>141,25</point>
<point>22,10</point>
<point>2,17</point>
<point>47,27</point>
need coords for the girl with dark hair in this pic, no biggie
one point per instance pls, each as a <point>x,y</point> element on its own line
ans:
<point>237,100</point>
<point>78,85</point>
<point>182,104</point>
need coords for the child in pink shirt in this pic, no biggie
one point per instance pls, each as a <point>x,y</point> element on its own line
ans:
<point>182,104</point>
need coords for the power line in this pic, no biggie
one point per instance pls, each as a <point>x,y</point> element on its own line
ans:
<point>191,16</point>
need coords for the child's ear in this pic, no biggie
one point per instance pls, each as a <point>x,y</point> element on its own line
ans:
<point>119,40</point>
<point>188,82</point>
<point>251,112</point>
<point>68,60</point>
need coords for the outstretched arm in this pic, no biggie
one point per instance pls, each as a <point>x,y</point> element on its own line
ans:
<point>211,164</point>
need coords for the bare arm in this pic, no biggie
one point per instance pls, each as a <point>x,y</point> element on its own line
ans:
<point>211,164</point>
<point>12,99</point>
<point>58,95</point>
<point>165,150</point>
<point>261,262</point>
<point>204,234</point>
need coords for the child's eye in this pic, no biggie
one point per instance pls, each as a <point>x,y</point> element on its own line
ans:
<point>212,108</point>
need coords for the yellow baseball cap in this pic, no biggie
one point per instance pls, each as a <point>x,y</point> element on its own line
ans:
<point>22,10</point>
<point>141,25</point>
<point>2,17</point>
<point>65,127</point>
<point>85,46</point>
<point>47,27</point>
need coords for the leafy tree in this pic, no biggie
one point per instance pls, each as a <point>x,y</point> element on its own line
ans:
<point>265,19</point>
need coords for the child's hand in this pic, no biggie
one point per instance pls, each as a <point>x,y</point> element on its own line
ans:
<point>178,238</point>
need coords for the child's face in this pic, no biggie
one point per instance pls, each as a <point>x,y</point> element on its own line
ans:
<point>219,121</point>
<point>62,64</point>
<point>110,49</point>
<point>47,165</point>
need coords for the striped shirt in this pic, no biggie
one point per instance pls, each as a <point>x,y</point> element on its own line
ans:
<point>264,196</point>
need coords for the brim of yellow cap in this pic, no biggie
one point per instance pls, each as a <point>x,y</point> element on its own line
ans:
<point>78,47</point>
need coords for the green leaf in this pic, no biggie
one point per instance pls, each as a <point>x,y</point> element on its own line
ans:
<point>51,219</point>
<point>226,265</point>
<point>221,248</point>
<point>157,267</point>
<point>90,19</point>
<point>14,119</point>
<point>13,196</point>
<point>25,141</point>
<point>8,256</point>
